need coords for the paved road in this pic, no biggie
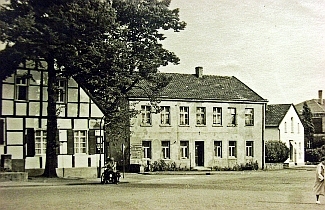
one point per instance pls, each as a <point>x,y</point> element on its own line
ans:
<point>286,189</point>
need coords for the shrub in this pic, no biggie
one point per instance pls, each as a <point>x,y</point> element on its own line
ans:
<point>276,152</point>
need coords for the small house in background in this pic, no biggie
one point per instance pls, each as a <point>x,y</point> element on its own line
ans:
<point>203,121</point>
<point>23,123</point>
<point>282,123</point>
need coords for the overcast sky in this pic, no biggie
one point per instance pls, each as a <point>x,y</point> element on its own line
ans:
<point>277,48</point>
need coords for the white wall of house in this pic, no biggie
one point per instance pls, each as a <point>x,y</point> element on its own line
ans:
<point>291,132</point>
<point>194,133</point>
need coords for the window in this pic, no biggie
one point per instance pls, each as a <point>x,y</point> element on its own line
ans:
<point>217,116</point>
<point>232,116</point>
<point>232,149</point>
<point>61,91</point>
<point>99,145</point>
<point>184,149</point>
<point>249,116</point>
<point>292,125</point>
<point>80,139</point>
<point>218,149</point>
<point>146,115</point>
<point>40,142</point>
<point>183,110</point>
<point>285,127</point>
<point>298,128</point>
<point>200,115</point>
<point>21,88</point>
<point>146,145</point>
<point>249,149</point>
<point>165,145</point>
<point>165,115</point>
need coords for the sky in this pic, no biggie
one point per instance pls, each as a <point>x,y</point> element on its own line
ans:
<point>275,47</point>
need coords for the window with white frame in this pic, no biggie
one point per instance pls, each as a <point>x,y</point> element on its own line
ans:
<point>61,91</point>
<point>146,115</point>
<point>184,115</point>
<point>292,125</point>
<point>200,115</point>
<point>146,145</point>
<point>80,142</point>
<point>232,149</point>
<point>217,116</point>
<point>40,142</point>
<point>21,88</point>
<point>249,116</point>
<point>165,115</point>
<point>249,149</point>
<point>165,145</point>
<point>298,128</point>
<point>218,149</point>
<point>231,116</point>
<point>184,149</point>
<point>285,127</point>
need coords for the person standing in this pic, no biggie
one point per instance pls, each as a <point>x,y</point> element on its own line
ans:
<point>319,186</point>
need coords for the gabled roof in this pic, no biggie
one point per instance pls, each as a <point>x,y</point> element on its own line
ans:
<point>206,87</point>
<point>313,104</point>
<point>275,113</point>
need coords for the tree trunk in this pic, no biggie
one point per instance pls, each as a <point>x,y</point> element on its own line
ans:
<point>51,146</point>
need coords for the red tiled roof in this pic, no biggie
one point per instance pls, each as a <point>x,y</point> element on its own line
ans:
<point>275,113</point>
<point>207,87</point>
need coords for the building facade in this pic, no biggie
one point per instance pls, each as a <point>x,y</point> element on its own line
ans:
<point>317,107</point>
<point>23,123</point>
<point>283,124</point>
<point>203,121</point>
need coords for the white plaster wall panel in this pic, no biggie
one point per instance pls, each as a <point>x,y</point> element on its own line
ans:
<point>15,138</point>
<point>72,110</point>
<point>7,107</point>
<point>84,110</point>
<point>44,110</point>
<point>16,152</point>
<point>21,108</point>
<point>64,123</point>
<point>32,162</point>
<point>8,91</point>
<point>45,94</point>
<point>14,123</point>
<point>63,148</point>
<point>95,111</point>
<point>72,95</point>
<point>83,96</point>
<point>34,92</point>
<point>64,161</point>
<point>34,108</point>
<point>81,160</point>
<point>81,124</point>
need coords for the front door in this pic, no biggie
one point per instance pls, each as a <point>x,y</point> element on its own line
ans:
<point>199,153</point>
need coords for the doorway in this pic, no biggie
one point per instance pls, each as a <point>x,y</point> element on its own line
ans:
<point>199,153</point>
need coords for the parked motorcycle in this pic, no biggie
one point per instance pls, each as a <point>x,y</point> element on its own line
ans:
<point>110,176</point>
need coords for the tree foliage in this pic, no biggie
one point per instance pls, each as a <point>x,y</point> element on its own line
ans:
<point>107,46</point>
<point>308,124</point>
<point>276,152</point>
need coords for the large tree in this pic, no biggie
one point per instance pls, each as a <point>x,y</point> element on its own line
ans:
<point>107,46</point>
<point>309,130</point>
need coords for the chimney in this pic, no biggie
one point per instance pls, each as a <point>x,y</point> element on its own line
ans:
<point>199,71</point>
<point>320,97</point>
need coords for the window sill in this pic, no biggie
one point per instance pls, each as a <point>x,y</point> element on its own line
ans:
<point>184,125</point>
<point>232,158</point>
<point>217,126</point>
<point>231,126</point>
<point>145,125</point>
<point>200,125</point>
<point>249,125</point>
<point>165,125</point>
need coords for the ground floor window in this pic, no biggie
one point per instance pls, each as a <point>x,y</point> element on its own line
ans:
<point>80,142</point>
<point>165,149</point>
<point>40,142</point>
<point>146,145</point>
<point>184,149</point>
<point>249,148</point>
<point>218,149</point>
<point>232,149</point>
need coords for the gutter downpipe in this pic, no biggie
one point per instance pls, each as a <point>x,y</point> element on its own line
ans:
<point>263,138</point>
<point>101,147</point>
